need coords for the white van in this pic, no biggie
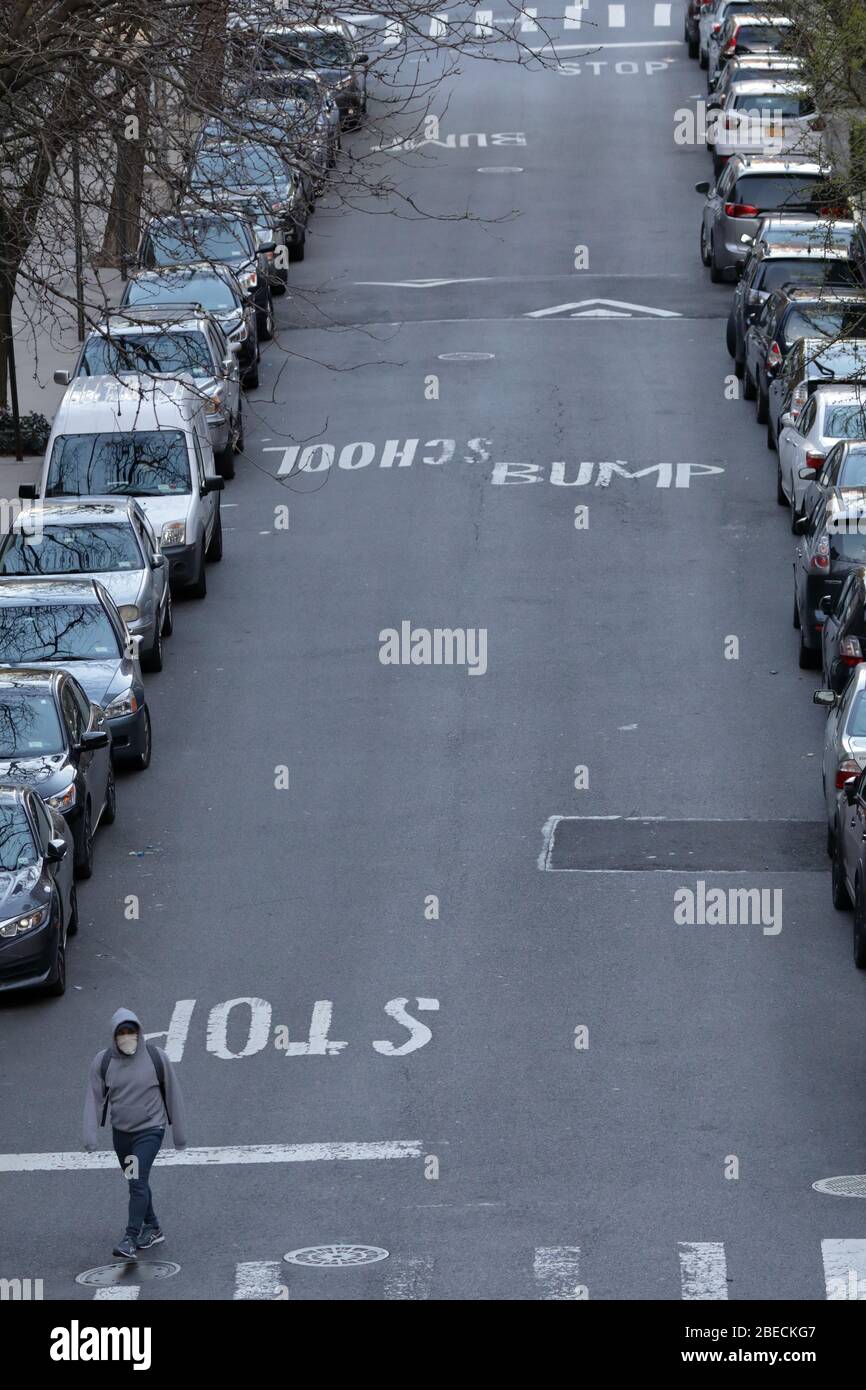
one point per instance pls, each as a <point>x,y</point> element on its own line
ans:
<point>144,439</point>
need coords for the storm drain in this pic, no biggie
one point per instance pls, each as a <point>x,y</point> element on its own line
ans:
<point>336,1256</point>
<point>850,1185</point>
<point>129,1272</point>
<point>635,844</point>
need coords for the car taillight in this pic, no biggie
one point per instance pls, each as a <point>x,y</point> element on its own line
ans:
<point>845,771</point>
<point>740,210</point>
<point>774,357</point>
<point>716,28</point>
<point>820,558</point>
<point>814,460</point>
<point>799,397</point>
<point>834,210</point>
<point>849,651</point>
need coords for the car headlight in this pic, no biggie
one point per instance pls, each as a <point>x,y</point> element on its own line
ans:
<point>248,280</point>
<point>213,404</point>
<point>173,533</point>
<point>240,335</point>
<point>124,704</point>
<point>15,926</point>
<point>129,612</point>
<point>63,801</point>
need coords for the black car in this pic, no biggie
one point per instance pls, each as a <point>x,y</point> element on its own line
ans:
<point>785,316</point>
<point>55,740</point>
<point>843,640</point>
<point>39,909</point>
<point>240,169</point>
<point>327,48</point>
<point>842,472</point>
<point>216,289</point>
<point>849,860</point>
<point>691,34</point>
<point>218,237</point>
<point>774,268</point>
<point>833,544</point>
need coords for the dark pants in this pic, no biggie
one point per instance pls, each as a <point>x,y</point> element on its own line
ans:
<point>143,1147</point>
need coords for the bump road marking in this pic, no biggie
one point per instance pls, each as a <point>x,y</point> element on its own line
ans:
<point>647,844</point>
<point>212,1157</point>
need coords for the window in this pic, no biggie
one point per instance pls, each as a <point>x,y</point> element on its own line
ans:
<point>43,821</point>
<point>805,270</point>
<point>776,192</point>
<point>807,418</point>
<point>196,239</point>
<point>29,724</point>
<point>852,472</point>
<point>845,421</point>
<point>81,701</point>
<point>205,287</point>
<point>103,549</point>
<point>71,713</point>
<point>56,632</point>
<point>147,352</point>
<point>17,847</point>
<point>142,463</point>
<point>856,724</point>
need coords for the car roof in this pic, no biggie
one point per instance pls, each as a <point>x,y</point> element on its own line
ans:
<point>763,19</point>
<point>44,589</point>
<point>145,317</point>
<point>778,221</point>
<point>79,511</point>
<point>804,253</point>
<point>760,164</point>
<point>836,394</point>
<point>817,295</point>
<point>113,391</point>
<point>757,86</point>
<point>850,502</point>
<point>34,677</point>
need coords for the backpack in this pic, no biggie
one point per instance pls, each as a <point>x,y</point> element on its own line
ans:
<point>158,1066</point>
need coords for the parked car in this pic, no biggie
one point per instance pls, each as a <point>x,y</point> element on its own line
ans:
<point>833,543</point>
<point>299,85</point>
<point>56,623</point>
<point>237,170</point>
<point>220,237</point>
<point>782,269</point>
<point>327,47</point>
<point>56,740</point>
<point>787,229</point>
<point>109,538</point>
<point>747,67</point>
<point>745,33</point>
<point>301,133</point>
<point>40,905</point>
<point>843,639</point>
<point>830,414</point>
<point>213,288</point>
<point>848,883</point>
<point>711,19</point>
<point>843,474</point>
<point>691,25</point>
<point>811,363</point>
<point>764,118</point>
<point>844,755</point>
<point>748,188</point>
<point>165,462</point>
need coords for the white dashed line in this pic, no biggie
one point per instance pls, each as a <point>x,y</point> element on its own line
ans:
<point>703,1269</point>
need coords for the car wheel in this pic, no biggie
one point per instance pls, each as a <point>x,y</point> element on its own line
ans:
<point>151,660</point>
<point>705,255</point>
<point>72,924</point>
<point>731,336</point>
<point>83,862</point>
<point>703,59</point>
<point>298,249</point>
<point>761,407</point>
<point>693,48</point>
<point>831,840</point>
<point>280,285</point>
<point>716,275</point>
<point>57,984</point>
<point>807,657</point>
<point>841,898</point>
<point>168,620</point>
<point>250,378</point>
<point>239,429</point>
<point>141,761</point>
<point>796,618</point>
<point>771,438</point>
<point>859,929</point>
<point>109,811</point>
<point>198,587</point>
<point>749,392</point>
<point>780,491</point>
<point>225,460</point>
<point>265,323</point>
<point>214,552</point>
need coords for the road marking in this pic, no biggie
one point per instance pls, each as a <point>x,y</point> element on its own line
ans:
<point>607,308</point>
<point>616,16</point>
<point>703,1269</point>
<point>409,1277</point>
<point>362,1151</point>
<point>844,1270</point>
<point>557,1269</point>
<point>438,26</point>
<point>573,17</point>
<point>500,169</point>
<point>392,33</point>
<point>422,284</point>
<point>259,1279</point>
<point>662,16</point>
<point>527,21</point>
<point>849,1185</point>
<point>118,1291</point>
<point>623,43</point>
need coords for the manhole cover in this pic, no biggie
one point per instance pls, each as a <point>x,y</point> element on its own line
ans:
<point>465,356</point>
<point>850,1185</point>
<point>128,1272</point>
<point>336,1256</point>
<point>501,169</point>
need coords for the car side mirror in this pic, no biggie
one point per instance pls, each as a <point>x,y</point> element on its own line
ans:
<point>135,641</point>
<point>62,378</point>
<point>266,247</point>
<point>703,186</point>
<point>55,851</point>
<point>92,739</point>
<point>213,484</point>
<point>826,604</point>
<point>158,560</point>
<point>361,60</point>
<point>850,790</point>
<point>799,526</point>
<point>28,492</point>
<point>786,420</point>
<point>827,698</point>
<point>235,349</point>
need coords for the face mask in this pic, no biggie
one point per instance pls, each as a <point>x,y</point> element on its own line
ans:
<point>128,1043</point>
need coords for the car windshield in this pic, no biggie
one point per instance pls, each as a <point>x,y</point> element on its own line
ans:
<point>237,167</point>
<point>106,548</point>
<point>847,538</point>
<point>142,463</point>
<point>306,51</point>
<point>845,421</point>
<point>274,88</point>
<point>751,36</point>
<point>775,104</point>
<point>29,724</point>
<point>825,323</point>
<point>205,288</point>
<point>17,847</point>
<point>804,271</point>
<point>775,192</point>
<point>853,472</point>
<point>147,352</point>
<point>818,235</point>
<point>198,239</point>
<point>56,632</point>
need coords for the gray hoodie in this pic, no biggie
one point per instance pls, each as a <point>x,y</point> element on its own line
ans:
<point>134,1101</point>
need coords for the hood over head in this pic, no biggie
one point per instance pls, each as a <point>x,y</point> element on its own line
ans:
<point>117,1018</point>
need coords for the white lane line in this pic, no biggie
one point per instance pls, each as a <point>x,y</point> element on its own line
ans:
<point>258,1279</point>
<point>703,1269</point>
<point>616,16</point>
<point>662,16</point>
<point>229,1154</point>
<point>844,1270</point>
<point>625,43</point>
<point>409,1277</point>
<point>118,1291</point>
<point>556,1269</point>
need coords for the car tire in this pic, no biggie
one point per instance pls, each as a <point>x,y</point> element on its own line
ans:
<point>703,58</point>
<point>761,407</point>
<point>56,986</point>
<point>838,891</point>
<point>297,250</point>
<point>140,762</point>
<point>280,285</point>
<point>109,810</point>
<point>83,860</point>
<point>168,620</point>
<point>693,48</point>
<point>716,276</point>
<point>250,378</point>
<point>239,429</point>
<point>214,552</point>
<point>771,438</point>
<point>265,323</point>
<point>796,617</point>
<point>831,840</point>
<point>198,587</point>
<point>151,660</point>
<point>731,336</point>
<point>72,924</point>
<point>807,658</point>
<point>749,390</point>
<point>859,932</point>
<point>780,491</point>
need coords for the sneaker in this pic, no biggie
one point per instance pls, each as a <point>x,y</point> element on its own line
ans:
<point>149,1235</point>
<point>126,1249</point>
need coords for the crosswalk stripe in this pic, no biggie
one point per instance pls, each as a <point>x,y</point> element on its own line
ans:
<point>557,1269</point>
<point>527,21</point>
<point>616,16</point>
<point>573,17</point>
<point>118,1292</point>
<point>483,23</point>
<point>409,1277</point>
<point>844,1270</point>
<point>662,16</point>
<point>438,26</point>
<point>392,32</point>
<point>703,1269</point>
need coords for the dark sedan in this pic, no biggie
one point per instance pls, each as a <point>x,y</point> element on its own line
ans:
<point>38,905</point>
<point>833,544</point>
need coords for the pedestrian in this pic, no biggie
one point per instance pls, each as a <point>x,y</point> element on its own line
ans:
<point>136,1082</point>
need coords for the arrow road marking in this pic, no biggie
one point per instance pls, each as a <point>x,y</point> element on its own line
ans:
<point>604,310</point>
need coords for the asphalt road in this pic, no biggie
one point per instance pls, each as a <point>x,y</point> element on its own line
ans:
<point>561,1170</point>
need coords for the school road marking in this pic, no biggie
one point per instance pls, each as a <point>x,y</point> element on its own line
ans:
<point>243,1153</point>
